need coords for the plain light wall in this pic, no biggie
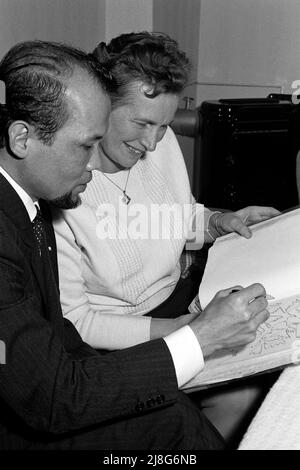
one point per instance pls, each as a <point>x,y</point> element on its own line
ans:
<point>78,22</point>
<point>181,20</point>
<point>82,23</point>
<point>252,47</point>
<point>125,16</point>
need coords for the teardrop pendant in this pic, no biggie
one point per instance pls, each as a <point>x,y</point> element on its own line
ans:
<point>126,199</point>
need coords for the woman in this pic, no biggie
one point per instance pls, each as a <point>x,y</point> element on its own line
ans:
<point>119,251</point>
<point>110,261</point>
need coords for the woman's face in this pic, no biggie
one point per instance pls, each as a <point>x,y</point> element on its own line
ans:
<point>136,125</point>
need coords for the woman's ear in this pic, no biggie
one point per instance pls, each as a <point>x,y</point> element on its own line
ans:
<point>18,134</point>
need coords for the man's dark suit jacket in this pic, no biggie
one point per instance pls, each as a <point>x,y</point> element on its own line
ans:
<point>52,382</point>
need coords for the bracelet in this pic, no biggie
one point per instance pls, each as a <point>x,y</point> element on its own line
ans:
<point>207,229</point>
<point>216,222</point>
<point>210,235</point>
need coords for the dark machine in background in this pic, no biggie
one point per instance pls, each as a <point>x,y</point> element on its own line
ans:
<point>245,153</point>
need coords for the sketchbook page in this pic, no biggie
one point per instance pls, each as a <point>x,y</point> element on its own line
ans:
<point>271,256</point>
<point>277,343</point>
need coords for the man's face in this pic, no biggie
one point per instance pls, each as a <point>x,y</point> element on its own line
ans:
<point>60,171</point>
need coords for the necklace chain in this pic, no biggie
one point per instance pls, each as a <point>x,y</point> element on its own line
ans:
<point>125,198</point>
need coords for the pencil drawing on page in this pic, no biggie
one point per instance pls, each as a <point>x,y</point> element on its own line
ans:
<point>272,257</point>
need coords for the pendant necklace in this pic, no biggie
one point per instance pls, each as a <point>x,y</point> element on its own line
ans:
<point>125,198</point>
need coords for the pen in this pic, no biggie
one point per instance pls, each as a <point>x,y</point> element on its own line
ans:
<point>267,296</point>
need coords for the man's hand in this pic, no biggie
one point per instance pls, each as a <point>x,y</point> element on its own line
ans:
<point>227,222</point>
<point>231,319</point>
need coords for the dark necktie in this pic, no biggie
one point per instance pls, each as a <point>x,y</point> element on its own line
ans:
<point>38,230</point>
<point>45,274</point>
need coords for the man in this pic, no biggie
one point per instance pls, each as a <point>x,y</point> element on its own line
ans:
<point>56,392</point>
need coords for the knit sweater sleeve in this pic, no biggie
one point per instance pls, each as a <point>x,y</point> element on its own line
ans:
<point>100,329</point>
<point>197,215</point>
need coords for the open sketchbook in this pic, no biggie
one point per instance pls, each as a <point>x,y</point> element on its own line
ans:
<point>272,257</point>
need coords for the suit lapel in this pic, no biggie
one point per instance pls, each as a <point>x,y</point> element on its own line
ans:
<point>46,276</point>
<point>50,237</point>
<point>14,209</point>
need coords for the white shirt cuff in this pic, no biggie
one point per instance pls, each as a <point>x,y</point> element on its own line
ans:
<point>186,354</point>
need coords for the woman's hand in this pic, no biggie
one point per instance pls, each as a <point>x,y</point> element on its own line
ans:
<point>227,222</point>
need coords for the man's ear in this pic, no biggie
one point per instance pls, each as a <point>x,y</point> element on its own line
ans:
<point>18,134</point>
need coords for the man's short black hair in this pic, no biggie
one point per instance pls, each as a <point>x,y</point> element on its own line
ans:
<point>36,74</point>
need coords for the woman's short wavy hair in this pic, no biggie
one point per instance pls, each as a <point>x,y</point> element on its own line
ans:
<point>153,58</point>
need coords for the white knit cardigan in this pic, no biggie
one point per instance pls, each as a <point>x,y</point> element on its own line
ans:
<point>107,285</point>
